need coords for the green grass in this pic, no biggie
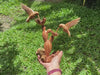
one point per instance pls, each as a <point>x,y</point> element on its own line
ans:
<point>19,44</point>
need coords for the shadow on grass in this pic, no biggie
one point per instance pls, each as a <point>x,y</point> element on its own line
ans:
<point>8,54</point>
<point>83,66</point>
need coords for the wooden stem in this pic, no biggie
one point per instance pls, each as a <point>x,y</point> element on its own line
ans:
<point>57,29</point>
<point>38,16</point>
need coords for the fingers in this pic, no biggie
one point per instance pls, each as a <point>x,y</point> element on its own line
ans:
<point>60,55</point>
<point>57,58</point>
<point>40,60</point>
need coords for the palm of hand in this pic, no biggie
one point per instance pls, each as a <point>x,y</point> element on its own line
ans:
<point>55,61</point>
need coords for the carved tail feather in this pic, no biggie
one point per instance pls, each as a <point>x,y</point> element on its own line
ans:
<point>69,34</point>
<point>27,20</point>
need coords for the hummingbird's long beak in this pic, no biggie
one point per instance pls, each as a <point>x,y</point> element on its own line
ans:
<point>27,20</point>
<point>57,29</point>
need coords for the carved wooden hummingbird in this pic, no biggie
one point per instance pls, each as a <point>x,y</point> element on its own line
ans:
<point>68,25</point>
<point>30,12</point>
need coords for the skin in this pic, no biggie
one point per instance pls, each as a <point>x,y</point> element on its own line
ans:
<point>54,64</point>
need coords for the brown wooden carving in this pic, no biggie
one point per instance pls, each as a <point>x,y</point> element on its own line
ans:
<point>30,12</point>
<point>48,42</point>
<point>68,25</point>
<point>39,21</point>
<point>44,53</point>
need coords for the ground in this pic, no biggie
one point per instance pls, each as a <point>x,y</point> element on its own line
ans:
<point>5,22</point>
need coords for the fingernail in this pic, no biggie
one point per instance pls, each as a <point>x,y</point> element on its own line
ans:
<point>61,51</point>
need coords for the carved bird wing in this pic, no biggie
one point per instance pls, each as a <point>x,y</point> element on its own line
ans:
<point>27,9</point>
<point>72,23</point>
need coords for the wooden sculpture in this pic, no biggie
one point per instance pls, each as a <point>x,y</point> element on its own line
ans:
<point>44,53</point>
<point>68,25</point>
<point>30,12</point>
<point>48,42</point>
<point>39,21</point>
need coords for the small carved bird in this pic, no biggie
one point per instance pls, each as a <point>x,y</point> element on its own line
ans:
<point>30,12</point>
<point>68,25</point>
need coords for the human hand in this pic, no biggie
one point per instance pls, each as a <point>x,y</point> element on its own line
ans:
<point>54,64</point>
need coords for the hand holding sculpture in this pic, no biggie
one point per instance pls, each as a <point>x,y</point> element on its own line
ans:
<point>43,57</point>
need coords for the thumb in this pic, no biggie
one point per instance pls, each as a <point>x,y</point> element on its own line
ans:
<point>60,55</point>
